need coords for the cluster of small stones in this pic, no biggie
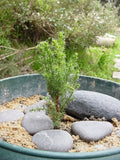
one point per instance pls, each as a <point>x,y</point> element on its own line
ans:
<point>12,132</point>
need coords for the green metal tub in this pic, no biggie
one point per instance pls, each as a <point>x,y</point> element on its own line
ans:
<point>29,85</point>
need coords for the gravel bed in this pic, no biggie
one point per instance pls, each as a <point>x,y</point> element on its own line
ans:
<point>14,133</point>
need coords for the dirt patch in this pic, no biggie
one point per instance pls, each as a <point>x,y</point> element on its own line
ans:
<point>14,133</point>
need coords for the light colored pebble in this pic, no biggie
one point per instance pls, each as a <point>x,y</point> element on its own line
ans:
<point>34,122</point>
<point>10,115</point>
<point>41,105</point>
<point>53,140</point>
<point>92,130</point>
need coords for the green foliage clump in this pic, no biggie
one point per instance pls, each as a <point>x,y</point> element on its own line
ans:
<point>7,62</point>
<point>80,20</point>
<point>99,61</point>
<point>25,23</point>
<point>61,75</point>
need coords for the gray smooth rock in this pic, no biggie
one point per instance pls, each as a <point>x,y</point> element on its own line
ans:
<point>116,75</point>
<point>109,36</point>
<point>34,122</point>
<point>88,103</point>
<point>92,130</point>
<point>117,63</point>
<point>10,115</point>
<point>38,105</point>
<point>105,41</point>
<point>53,140</point>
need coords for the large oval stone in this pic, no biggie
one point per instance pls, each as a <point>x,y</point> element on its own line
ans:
<point>53,140</point>
<point>88,103</point>
<point>10,115</point>
<point>34,122</point>
<point>92,130</point>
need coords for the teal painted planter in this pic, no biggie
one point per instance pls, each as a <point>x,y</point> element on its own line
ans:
<point>29,85</point>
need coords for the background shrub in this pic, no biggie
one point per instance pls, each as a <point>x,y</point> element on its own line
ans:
<point>25,23</point>
<point>80,20</point>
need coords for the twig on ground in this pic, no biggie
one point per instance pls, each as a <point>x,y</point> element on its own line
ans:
<point>9,55</point>
<point>8,48</point>
<point>16,51</point>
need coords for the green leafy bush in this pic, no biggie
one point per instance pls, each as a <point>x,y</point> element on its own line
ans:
<point>51,62</point>
<point>80,20</point>
<point>26,22</point>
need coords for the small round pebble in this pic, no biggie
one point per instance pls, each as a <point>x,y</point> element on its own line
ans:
<point>92,130</point>
<point>53,140</point>
<point>10,115</point>
<point>34,122</point>
<point>39,105</point>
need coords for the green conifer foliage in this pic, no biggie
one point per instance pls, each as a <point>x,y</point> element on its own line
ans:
<point>61,75</point>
